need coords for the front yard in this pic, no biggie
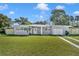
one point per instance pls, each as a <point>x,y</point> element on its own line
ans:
<point>76,37</point>
<point>35,46</point>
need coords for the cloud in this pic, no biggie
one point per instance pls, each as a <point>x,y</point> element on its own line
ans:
<point>76,13</point>
<point>42,7</point>
<point>2,7</point>
<point>11,12</point>
<point>59,7</point>
<point>41,16</point>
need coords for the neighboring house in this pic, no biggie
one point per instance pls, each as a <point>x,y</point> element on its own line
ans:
<point>38,29</point>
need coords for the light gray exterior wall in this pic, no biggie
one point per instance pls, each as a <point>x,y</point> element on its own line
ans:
<point>39,29</point>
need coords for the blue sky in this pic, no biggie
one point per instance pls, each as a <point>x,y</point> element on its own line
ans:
<point>36,12</point>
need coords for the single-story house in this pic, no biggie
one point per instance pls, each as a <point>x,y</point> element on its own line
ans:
<point>38,29</point>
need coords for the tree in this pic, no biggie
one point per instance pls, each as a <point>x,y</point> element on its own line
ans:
<point>59,17</point>
<point>41,22</point>
<point>4,22</point>
<point>17,20</point>
<point>22,21</point>
<point>71,20</point>
<point>77,20</point>
<point>10,21</point>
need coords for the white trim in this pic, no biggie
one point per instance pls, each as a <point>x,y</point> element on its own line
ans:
<point>69,42</point>
<point>41,31</point>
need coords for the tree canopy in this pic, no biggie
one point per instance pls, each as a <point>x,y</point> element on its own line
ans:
<point>59,17</point>
<point>4,21</point>
<point>41,22</point>
<point>23,21</point>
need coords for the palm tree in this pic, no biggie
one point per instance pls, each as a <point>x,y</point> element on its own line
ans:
<point>22,21</point>
<point>17,21</point>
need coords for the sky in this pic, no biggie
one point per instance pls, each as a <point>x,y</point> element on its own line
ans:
<point>36,11</point>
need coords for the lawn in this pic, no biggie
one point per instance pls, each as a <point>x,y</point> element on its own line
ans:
<point>35,46</point>
<point>76,37</point>
<point>73,41</point>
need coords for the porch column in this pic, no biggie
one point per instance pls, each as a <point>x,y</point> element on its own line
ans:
<point>41,30</point>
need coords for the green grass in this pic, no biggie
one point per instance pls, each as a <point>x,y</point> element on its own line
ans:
<point>35,46</point>
<point>76,37</point>
<point>73,41</point>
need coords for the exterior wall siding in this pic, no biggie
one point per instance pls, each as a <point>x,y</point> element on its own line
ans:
<point>42,30</point>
